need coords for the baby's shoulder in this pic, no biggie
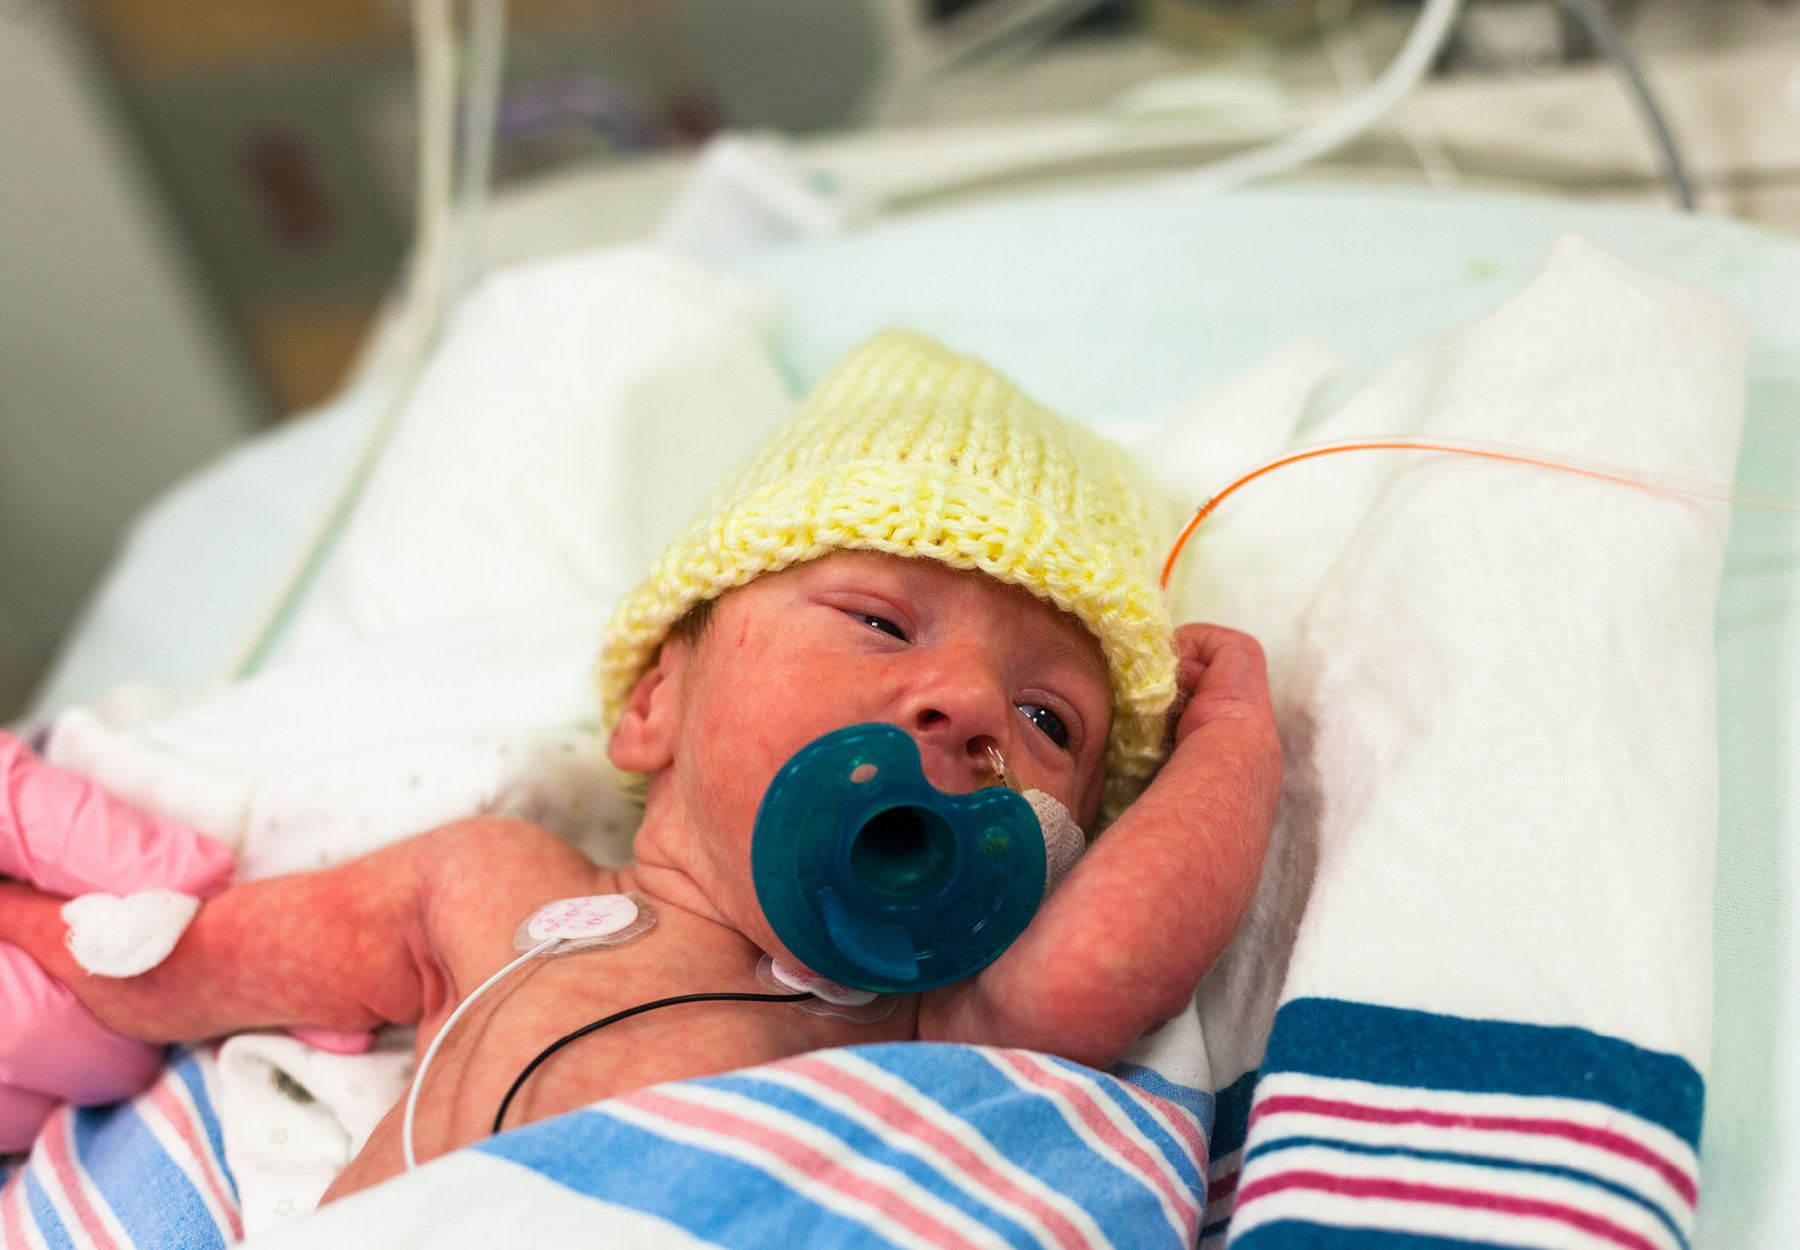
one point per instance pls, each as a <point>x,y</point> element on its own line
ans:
<point>493,861</point>
<point>479,878</point>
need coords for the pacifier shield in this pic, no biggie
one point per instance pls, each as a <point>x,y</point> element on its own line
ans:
<point>876,879</point>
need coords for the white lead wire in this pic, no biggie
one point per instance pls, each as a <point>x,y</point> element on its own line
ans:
<point>418,1081</point>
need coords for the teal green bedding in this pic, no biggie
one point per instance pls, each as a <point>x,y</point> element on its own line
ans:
<point>1124,305</point>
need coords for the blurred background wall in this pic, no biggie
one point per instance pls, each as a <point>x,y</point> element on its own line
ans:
<point>119,367</point>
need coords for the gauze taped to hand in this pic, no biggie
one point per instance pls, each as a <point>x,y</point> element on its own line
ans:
<point>122,936</point>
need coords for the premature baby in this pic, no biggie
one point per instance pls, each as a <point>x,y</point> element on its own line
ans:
<point>922,546</point>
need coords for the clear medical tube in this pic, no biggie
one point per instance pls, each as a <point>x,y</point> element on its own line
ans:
<point>1485,451</point>
<point>1612,45</point>
<point>449,236</point>
<point>418,1082</point>
<point>1423,45</point>
<point>480,116</point>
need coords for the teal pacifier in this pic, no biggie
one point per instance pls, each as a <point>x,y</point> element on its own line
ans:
<point>873,877</point>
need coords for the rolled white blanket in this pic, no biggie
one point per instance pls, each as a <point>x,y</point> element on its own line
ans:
<point>1501,805</point>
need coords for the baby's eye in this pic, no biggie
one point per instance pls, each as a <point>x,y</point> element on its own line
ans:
<point>1049,722</point>
<point>881,623</point>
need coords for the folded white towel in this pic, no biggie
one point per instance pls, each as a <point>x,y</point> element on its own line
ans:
<point>1501,802</point>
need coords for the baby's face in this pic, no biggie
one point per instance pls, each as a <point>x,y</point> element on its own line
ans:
<point>957,659</point>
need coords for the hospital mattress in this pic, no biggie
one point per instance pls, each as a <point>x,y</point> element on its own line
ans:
<point>1121,306</point>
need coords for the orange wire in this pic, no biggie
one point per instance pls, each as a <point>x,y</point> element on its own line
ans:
<point>1621,476</point>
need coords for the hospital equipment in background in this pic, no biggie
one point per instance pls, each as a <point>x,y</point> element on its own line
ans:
<point>743,196</point>
<point>284,168</point>
<point>288,161</point>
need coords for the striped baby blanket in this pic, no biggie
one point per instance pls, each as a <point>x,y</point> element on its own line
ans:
<point>924,1146</point>
<point>146,1173</point>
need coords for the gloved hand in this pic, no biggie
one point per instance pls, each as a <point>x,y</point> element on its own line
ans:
<point>64,833</point>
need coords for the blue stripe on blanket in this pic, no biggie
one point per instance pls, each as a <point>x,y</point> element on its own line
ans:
<point>187,1070</point>
<point>1197,1101</point>
<point>49,1223</point>
<point>1377,1128</point>
<point>125,1175</point>
<point>1330,1037</point>
<point>902,1144</point>
<point>1231,1121</point>
<point>722,1200</point>
<point>155,1201</point>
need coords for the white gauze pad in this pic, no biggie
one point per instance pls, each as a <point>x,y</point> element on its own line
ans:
<point>1063,842</point>
<point>113,936</point>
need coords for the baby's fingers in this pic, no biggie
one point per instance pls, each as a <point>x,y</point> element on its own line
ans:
<point>1215,661</point>
<point>1222,673</point>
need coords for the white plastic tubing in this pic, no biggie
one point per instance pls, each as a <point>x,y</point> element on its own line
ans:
<point>1408,69</point>
<point>449,231</point>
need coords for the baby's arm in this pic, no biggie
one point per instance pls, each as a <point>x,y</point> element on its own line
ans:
<point>1120,946</point>
<point>341,948</point>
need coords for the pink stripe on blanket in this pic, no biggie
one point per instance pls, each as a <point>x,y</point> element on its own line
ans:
<point>1177,1119</point>
<point>1224,1187</point>
<point>1467,1199</point>
<point>905,1119</point>
<point>181,1117</point>
<point>1604,1139</point>
<point>808,1161</point>
<point>1101,1126</point>
<point>12,1212</point>
<point>56,1143</point>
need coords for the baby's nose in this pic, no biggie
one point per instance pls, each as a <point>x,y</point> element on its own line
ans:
<point>955,716</point>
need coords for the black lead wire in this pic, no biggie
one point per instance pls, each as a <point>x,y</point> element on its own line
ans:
<point>640,1009</point>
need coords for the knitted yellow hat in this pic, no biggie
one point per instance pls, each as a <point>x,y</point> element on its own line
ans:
<point>908,448</point>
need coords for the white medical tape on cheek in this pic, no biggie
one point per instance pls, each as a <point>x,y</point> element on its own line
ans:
<point>1063,839</point>
<point>123,936</point>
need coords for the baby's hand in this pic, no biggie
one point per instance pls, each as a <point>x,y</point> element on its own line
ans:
<point>1220,676</point>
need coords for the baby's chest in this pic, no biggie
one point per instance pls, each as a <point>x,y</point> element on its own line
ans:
<point>574,1036</point>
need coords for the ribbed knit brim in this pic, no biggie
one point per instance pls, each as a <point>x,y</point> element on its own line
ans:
<point>910,449</point>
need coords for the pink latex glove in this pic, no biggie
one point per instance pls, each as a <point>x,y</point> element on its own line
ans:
<point>65,834</point>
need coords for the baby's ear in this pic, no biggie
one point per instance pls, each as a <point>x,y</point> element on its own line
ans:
<point>644,740</point>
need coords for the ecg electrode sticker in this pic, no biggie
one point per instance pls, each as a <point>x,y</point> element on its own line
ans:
<point>828,997</point>
<point>584,923</point>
